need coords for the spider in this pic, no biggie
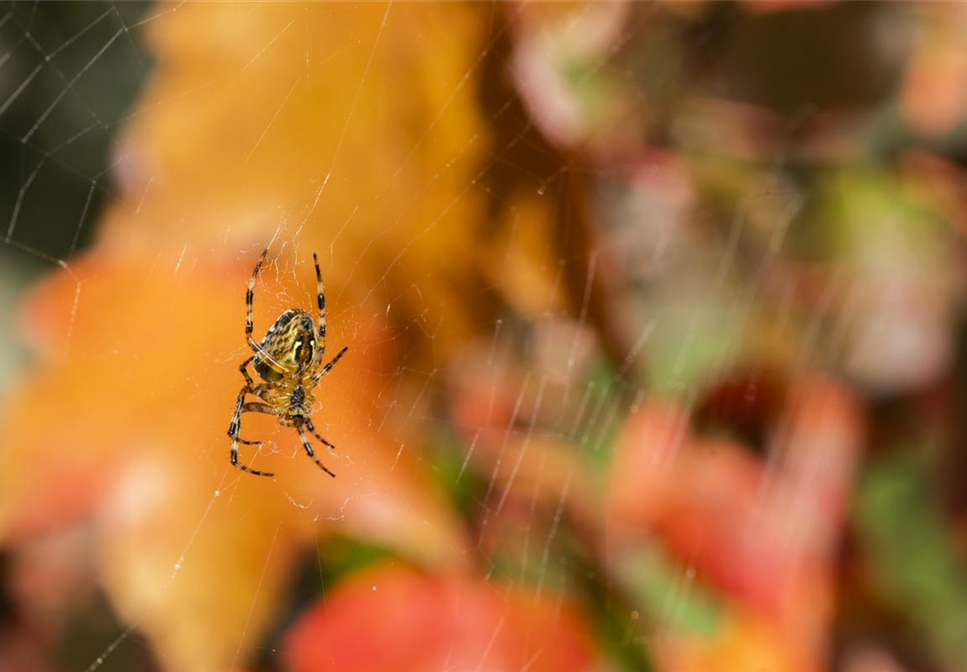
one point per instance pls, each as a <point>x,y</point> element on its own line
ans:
<point>288,360</point>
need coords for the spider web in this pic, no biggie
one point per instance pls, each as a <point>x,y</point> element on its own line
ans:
<point>69,77</point>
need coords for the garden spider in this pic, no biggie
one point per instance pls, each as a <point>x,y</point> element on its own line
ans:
<point>288,361</point>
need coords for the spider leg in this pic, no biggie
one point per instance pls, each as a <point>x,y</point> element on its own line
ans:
<point>325,369</point>
<point>249,296</point>
<point>312,429</point>
<point>233,428</point>
<point>256,407</point>
<point>257,390</point>
<point>321,300</point>
<point>305,444</point>
<point>243,367</point>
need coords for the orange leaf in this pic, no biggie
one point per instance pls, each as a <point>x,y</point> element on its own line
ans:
<point>330,126</point>
<point>192,551</point>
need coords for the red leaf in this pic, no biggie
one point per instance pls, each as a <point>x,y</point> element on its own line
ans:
<point>396,619</point>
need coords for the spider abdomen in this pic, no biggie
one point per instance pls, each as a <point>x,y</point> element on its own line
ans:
<point>289,346</point>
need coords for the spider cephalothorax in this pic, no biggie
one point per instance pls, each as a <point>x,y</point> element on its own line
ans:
<point>288,360</point>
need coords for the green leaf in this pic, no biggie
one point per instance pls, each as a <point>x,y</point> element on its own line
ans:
<point>909,548</point>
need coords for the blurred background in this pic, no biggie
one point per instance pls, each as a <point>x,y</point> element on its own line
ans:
<point>655,315</point>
